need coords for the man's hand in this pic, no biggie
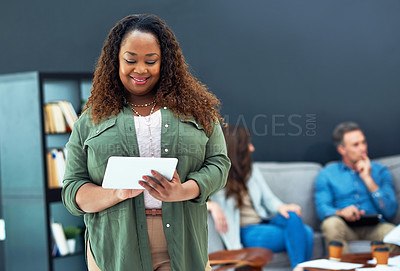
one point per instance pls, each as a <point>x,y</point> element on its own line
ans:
<point>363,167</point>
<point>350,213</point>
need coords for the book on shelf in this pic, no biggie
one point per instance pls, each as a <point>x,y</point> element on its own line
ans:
<point>59,117</point>
<point>48,118</point>
<point>59,239</point>
<point>69,113</point>
<point>65,240</point>
<point>55,159</point>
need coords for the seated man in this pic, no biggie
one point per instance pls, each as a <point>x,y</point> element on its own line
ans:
<point>348,192</point>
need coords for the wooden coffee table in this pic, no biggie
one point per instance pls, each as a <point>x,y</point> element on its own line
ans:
<point>245,259</point>
<point>352,258</point>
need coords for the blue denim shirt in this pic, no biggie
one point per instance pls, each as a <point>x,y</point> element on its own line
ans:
<point>338,186</point>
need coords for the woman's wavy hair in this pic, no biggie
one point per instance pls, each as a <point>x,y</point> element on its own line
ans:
<point>177,88</point>
<point>237,142</point>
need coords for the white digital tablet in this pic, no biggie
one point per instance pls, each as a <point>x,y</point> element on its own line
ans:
<point>126,172</point>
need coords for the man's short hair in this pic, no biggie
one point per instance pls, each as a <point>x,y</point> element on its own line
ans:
<point>341,129</point>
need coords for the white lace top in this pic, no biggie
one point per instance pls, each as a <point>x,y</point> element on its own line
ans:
<point>148,133</point>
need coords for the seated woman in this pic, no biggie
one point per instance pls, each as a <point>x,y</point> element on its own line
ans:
<point>247,213</point>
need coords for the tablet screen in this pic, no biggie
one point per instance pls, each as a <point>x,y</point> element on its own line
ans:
<point>126,172</point>
<point>365,220</point>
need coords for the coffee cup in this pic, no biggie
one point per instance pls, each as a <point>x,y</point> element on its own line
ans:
<point>335,250</point>
<point>374,245</point>
<point>381,255</point>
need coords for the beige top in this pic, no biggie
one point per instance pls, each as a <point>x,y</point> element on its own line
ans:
<point>248,215</point>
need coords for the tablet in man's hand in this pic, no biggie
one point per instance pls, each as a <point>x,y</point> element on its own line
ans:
<point>365,220</point>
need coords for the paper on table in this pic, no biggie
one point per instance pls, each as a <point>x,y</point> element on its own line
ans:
<point>381,268</point>
<point>328,264</point>
<point>393,261</point>
<point>393,236</point>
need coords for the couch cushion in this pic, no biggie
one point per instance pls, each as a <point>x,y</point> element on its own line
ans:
<point>293,182</point>
<point>393,164</point>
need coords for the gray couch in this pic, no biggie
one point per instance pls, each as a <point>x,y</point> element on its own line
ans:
<point>293,182</point>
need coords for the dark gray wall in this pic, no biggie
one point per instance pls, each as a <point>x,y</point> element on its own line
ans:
<point>288,70</point>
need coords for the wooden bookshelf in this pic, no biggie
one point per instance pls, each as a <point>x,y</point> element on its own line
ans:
<point>29,205</point>
<point>54,195</point>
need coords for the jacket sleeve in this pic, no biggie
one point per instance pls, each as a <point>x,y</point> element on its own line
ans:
<point>213,174</point>
<point>76,173</point>
<point>268,199</point>
<point>231,238</point>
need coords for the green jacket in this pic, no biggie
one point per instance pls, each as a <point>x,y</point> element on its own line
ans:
<point>118,235</point>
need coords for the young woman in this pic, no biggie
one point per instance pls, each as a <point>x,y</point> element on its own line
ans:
<point>145,103</point>
<point>247,213</point>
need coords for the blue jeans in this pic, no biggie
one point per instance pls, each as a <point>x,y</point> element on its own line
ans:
<point>281,234</point>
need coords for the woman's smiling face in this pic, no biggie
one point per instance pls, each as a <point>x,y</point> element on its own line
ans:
<point>139,65</point>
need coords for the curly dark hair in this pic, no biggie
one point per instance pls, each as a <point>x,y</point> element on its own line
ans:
<point>237,142</point>
<point>177,88</point>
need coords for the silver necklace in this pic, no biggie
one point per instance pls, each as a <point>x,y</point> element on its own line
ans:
<point>147,121</point>
<point>137,113</point>
<point>143,105</point>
